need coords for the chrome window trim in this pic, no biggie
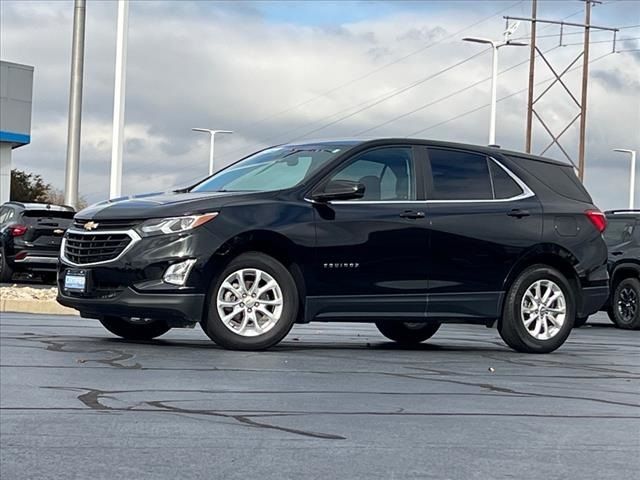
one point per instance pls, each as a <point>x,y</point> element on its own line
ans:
<point>135,238</point>
<point>526,193</point>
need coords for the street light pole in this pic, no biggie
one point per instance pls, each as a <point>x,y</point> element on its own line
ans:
<point>212,138</point>
<point>75,106</point>
<point>117,140</point>
<point>632,176</point>
<point>495,46</point>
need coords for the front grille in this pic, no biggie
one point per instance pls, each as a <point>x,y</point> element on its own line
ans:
<point>107,224</point>
<point>82,249</point>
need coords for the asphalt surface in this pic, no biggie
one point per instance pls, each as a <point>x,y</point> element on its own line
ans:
<point>332,401</point>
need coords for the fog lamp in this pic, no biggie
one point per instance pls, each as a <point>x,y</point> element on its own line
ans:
<point>177,273</point>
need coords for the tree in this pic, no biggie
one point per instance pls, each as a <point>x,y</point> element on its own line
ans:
<point>27,187</point>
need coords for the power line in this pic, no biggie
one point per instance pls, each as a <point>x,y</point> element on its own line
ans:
<point>519,92</point>
<point>388,97</point>
<point>446,97</point>
<point>382,67</point>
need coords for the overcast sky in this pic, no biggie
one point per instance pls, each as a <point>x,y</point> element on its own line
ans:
<point>279,71</point>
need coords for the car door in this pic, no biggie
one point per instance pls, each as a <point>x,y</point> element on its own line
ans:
<point>370,257</point>
<point>482,218</point>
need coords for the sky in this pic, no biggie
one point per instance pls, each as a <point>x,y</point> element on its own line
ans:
<point>275,72</point>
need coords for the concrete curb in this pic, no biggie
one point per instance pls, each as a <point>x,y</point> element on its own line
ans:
<point>35,306</point>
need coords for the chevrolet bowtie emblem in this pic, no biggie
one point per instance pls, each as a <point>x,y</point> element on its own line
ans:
<point>91,225</point>
<point>58,231</point>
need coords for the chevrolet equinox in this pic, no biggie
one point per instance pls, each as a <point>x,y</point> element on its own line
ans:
<point>409,234</point>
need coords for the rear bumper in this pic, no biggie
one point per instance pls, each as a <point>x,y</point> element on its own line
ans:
<point>178,309</point>
<point>593,298</point>
<point>35,260</point>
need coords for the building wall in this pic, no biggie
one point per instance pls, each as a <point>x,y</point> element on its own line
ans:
<point>16,89</point>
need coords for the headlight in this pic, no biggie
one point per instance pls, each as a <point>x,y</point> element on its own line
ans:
<point>159,226</point>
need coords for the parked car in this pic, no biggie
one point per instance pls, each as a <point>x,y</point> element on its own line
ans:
<point>623,239</point>
<point>408,234</point>
<point>30,238</point>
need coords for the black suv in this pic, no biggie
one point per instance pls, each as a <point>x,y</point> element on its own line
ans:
<point>623,239</point>
<point>30,237</point>
<point>408,234</point>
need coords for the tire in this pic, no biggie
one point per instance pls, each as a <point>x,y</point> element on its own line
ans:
<point>135,330</point>
<point>263,316</point>
<point>6,272</point>
<point>539,336</point>
<point>407,333</point>
<point>625,304</point>
<point>580,322</point>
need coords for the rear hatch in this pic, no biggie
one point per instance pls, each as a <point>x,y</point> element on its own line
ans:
<point>45,228</point>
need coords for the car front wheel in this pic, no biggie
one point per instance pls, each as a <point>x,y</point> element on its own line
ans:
<point>252,304</point>
<point>625,304</point>
<point>135,329</point>
<point>407,333</point>
<point>538,312</point>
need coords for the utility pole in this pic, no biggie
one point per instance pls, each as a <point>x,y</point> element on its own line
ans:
<point>585,82</point>
<point>532,100</point>
<point>532,66</point>
<point>75,106</point>
<point>117,140</point>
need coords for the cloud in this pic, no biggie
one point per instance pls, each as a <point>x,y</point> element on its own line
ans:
<point>244,66</point>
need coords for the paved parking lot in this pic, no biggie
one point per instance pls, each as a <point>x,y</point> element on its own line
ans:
<point>332,401</point>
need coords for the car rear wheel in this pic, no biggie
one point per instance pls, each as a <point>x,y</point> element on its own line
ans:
<point>6,272</point>
<point>135,329</point>
<point>407,333</point>
<point>625,304</point>
<point>252,304</point>
<point>539,311</point>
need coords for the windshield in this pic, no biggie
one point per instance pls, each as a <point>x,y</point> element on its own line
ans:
<point>276,168</point>
<point>619,230</point>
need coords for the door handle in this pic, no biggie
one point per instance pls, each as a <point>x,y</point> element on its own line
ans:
<point>516,212</point>
<point>412,214</point>
<point>616,253</point>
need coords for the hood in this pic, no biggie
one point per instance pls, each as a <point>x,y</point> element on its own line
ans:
<point>158,205</point>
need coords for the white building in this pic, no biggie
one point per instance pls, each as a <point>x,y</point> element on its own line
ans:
<point>16,87</point>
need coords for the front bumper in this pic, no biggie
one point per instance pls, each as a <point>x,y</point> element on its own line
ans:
<point>178,309</point>
<point>131,284</point>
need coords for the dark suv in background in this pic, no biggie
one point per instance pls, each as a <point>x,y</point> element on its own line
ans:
<point>408,234</point>
<point>623,239</point>
<point>30,238</point>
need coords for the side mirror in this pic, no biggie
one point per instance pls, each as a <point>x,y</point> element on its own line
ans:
<point>339,190</point>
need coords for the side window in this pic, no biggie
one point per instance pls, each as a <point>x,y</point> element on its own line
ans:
<point>6,214</point>
<point>503,185</point>
<point>459,175</point>
<point>386,173</point>
<point>3,214</point>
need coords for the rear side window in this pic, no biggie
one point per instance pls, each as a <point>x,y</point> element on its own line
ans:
<point>459,175</point>
<point>559,178</point>
<point>503,185</point>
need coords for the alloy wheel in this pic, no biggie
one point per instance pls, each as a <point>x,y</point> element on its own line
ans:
<point>543,309</point>
<point>249,302</point>
<point>627,304</point>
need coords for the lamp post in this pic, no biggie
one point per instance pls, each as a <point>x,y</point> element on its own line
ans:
<point>495,46</point>
<point>632,176</point>
<point>212,137</point>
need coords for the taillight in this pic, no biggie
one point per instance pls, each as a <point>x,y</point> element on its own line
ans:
<point>598,219</point>
<point>18,230</point>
